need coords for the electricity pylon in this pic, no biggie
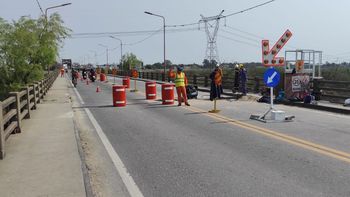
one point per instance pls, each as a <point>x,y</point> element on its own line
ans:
<point>211,28</point>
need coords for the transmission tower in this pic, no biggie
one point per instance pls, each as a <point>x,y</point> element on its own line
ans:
<point>211,25</point>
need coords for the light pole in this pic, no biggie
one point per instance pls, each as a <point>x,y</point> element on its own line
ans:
<point>163,36</point>
<point>52,7</point>
<point>56,6</point>
<point>95,56</point>
<point>121,50</point>
<point>106,51</point>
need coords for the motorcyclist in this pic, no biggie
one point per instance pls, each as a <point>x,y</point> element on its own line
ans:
<point>92,75</point>
<point>84,73</point>
<point>74,77</point>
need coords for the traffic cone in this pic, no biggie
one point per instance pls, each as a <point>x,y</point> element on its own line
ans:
<point>98,89</point>
<point>87,82</point>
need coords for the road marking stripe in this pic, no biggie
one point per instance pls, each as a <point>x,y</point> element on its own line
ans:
<point>128,181</point>
<point>292,140</point>
<point>340,155</point>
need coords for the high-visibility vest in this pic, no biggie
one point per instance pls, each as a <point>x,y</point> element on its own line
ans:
<point>179,79</point>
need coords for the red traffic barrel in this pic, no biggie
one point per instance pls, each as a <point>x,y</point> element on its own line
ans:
<point>119,97</point>
<point>126,82</point>
<point>102,77</point>
<point>151,90</point>
<point>167,94</point>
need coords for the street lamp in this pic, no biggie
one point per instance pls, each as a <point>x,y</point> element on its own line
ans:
<point>52,7</point>
<point>163,35</point>
<point>56,6</point>
<point>121,49</point>
<point>106,51</point>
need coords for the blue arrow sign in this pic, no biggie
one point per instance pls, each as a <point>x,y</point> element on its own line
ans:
<point>271,77</point>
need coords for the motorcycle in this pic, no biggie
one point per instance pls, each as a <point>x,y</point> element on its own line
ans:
<point>74,81</point>
<point>92,77</point>
<point>84,75</point>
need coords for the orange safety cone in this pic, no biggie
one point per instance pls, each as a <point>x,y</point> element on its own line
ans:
<point>87,82</point>
<point>98,89</point>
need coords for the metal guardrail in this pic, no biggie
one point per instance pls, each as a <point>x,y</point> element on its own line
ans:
<point>18,107</point>
<point>253,84</point>
<point>333,91</point>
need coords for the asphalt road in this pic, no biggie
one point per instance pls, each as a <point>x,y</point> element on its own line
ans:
<point>184,151</point>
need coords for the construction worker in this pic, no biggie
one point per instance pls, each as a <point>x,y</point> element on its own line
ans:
<point>243,79</point>
<point>62,72</point>
<point>180,84</point>
<point>216,83</point>
<point>236,80</point>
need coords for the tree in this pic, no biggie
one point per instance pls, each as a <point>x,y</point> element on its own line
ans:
<point>130,61</point>
<point>28,46</point>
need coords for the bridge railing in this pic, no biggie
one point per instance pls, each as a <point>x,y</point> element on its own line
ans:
<point>333,91</point>
<point>253,84</point>
<point>18,107</point>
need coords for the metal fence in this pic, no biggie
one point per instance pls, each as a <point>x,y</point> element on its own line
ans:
<point>333,91</point>
<point>253,84</point>
<point>18,107</point>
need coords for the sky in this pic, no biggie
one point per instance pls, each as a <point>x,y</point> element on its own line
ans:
<point>315,24</point>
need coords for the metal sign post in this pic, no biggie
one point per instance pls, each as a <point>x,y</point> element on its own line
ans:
<point>272,76</point>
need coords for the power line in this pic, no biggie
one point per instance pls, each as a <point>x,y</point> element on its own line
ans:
<point>130,44</point>
<point>251,8</point>
<point>223,16</point>
<point>239,41</point>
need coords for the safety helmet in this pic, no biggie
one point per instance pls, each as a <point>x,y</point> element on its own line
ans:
<point>241,65</point>
<point>180,67</point>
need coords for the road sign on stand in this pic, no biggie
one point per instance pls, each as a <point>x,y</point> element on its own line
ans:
<point>272,77</point>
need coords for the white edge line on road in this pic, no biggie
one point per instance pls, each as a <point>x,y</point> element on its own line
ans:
<point>128,181</point>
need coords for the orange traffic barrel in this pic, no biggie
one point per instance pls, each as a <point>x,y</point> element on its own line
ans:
<point>167,94</point>
<point>151,90</point>
<point>126,82</point>
<point>102,77</point>
<point>119,96</point>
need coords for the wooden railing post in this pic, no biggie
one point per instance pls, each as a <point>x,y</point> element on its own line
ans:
<point>34,93</point>
<point>27,107</point>
<point>257,85</point>
<point>18,111</point>
<point>195,80</point>
<point>206,84</point>
<point>42,89</point>
<point>2,134</point>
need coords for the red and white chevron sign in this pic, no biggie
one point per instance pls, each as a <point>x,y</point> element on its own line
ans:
<point>269,56</point>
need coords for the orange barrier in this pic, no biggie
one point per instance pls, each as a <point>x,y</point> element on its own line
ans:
<point>126,82</point>
<point>119,96</point>
<point>167,94</point>
<point>102,77</point>
<point>151,90</point>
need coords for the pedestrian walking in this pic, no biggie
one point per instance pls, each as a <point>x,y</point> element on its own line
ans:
<point>180,84</point>
<point>62,72</point>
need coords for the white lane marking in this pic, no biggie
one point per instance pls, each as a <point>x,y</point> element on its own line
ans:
<point>128,181</point>
<point>76,92</point>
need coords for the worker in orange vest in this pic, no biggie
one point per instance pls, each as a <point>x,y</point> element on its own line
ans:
<point>62,72</point>
<point>180,84</point>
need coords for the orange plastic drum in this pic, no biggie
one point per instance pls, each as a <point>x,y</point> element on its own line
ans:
<point>151,90</point>
<point>126,82</point>
<point>167,94</point>
<point>119,96</point>
<point>102,77</point>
